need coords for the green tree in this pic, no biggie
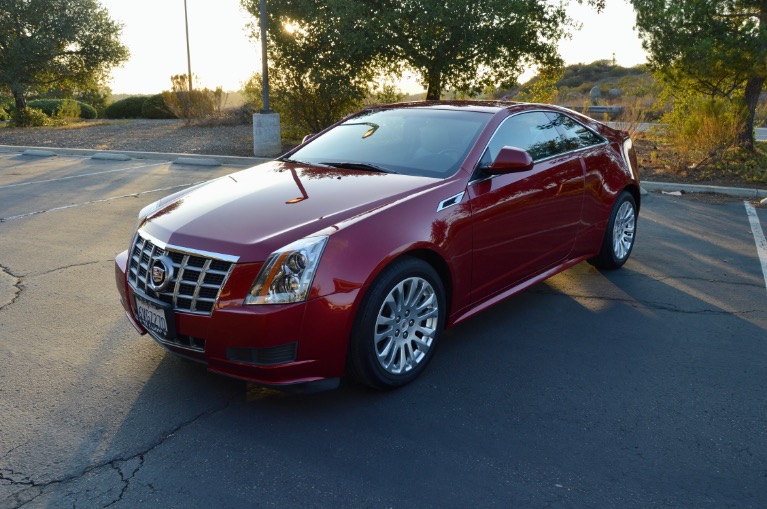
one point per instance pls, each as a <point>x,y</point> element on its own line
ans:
<point>340,45</point>
<point>61,43</point>
<point>472,45</point>
<point>716,47</point>
<point>321,60</point>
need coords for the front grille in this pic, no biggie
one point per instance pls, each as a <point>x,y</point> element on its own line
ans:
<point>197,278</point>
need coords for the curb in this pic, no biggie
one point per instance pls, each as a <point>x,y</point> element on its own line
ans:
<point>216,160</point>
<point>121,154</point>
<point>741,192</point>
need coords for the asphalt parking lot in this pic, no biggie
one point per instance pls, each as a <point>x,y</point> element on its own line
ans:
<point>640,388</point>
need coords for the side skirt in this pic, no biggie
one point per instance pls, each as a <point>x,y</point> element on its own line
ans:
<point>481,306</point>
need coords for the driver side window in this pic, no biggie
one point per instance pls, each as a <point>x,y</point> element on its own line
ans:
<point>533,132</point>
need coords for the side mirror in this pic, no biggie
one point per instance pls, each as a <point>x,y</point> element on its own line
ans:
<point>511,160</point>
<point>308,137</point>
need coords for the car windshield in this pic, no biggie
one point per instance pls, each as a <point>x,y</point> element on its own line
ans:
<point>412,141</point>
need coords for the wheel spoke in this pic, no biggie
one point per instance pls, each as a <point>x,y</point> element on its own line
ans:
<point>423,346</point>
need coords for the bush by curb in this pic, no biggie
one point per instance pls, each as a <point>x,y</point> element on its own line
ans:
<point>51,106</point>
<point>130,107</point>
<point>155,108</point>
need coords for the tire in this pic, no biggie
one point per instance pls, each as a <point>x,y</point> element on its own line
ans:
<point>398,325</point>
<point>620,235</point>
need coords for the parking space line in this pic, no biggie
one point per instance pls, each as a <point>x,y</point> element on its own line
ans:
<point>761,242</point>
<point>74,205</point>
<point>81,175</point>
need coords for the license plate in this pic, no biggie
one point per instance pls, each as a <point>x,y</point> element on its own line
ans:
<point>154,318</point>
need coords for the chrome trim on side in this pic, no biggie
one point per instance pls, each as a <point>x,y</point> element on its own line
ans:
<point>449,202</point>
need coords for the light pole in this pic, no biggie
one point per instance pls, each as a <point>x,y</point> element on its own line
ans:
<point>267,140</point>
<point>264,62</point>
<point>188,54</point>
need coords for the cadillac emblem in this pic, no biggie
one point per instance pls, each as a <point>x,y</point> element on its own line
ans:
<point>160,273</point>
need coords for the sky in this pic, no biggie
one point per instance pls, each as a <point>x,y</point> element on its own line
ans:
<point>223,54</point>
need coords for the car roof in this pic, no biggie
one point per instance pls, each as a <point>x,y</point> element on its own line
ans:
<point>483,106</point>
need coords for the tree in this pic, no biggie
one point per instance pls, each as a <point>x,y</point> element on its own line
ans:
<point>716,47</point>
<point>321,60</point>
<point>326,53</point>
<point>472,45</point>
<point>61,43</point>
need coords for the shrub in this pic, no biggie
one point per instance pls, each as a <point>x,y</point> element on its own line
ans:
<point>305,105</point>
<point>3,115</point>
<point>67,110</point>
<point>194,104</point>
<point>702,129</point>
<point>87,111</point>
<point>29,117</point>
<point>185,104</point>
<point>130,107</point>
<point>154,107</point>
<point>64,108</point>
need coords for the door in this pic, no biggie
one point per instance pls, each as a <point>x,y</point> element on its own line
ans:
<point>525,222</point>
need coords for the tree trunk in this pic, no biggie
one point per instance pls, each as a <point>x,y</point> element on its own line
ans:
<point>434,91</point>
<point>21,101</point>
<point>753,89</point>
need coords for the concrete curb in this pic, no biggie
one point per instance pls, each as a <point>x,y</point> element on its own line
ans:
<point>215,160</point>
<point>38,153</point>
<point>158,156</point>
<point>741,192</point>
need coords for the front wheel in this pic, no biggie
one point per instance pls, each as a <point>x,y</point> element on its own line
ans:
<point>620,235</point>
<point>398,325</point>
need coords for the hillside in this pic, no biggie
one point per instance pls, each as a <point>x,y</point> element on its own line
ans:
<point>626,83</point>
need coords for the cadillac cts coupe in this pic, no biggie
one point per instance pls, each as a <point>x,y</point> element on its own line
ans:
<point>351,253</point>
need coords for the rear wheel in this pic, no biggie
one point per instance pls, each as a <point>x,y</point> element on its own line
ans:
<point>620,235</point>
<point>398,325</point>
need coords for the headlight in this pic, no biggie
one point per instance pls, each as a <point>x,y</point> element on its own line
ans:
<point>288,273</point>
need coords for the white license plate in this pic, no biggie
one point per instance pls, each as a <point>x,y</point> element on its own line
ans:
<point>152,317</point>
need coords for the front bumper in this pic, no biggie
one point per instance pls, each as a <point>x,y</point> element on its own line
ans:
<point>268,344</point>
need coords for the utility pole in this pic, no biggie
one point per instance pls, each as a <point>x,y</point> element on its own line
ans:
<point>188,54</point>
<point>264,61</point>
<point>267,139</point>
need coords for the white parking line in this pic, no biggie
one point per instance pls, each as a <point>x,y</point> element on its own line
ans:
<point>761,242</point>
<point>132,195</point>
<point>81,175</point>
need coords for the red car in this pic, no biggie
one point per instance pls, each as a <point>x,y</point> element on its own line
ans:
<point>351,253</point>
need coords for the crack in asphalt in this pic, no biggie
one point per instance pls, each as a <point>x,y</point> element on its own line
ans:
<point>36,489</point>
<point>125,480</point>
<point>705,280</point>
<point>65,267</point>
<point>642,304</point>
<point>19,285</point>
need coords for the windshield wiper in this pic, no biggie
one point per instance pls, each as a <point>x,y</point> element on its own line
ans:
<point>358,166</point>
<point>289,160</point>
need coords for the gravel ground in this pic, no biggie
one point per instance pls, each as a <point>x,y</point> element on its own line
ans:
<point>139,135</point>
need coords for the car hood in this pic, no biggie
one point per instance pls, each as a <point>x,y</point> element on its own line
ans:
<point>251,213</point>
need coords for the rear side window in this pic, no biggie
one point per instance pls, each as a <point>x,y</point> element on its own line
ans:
<point>576,135</point>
